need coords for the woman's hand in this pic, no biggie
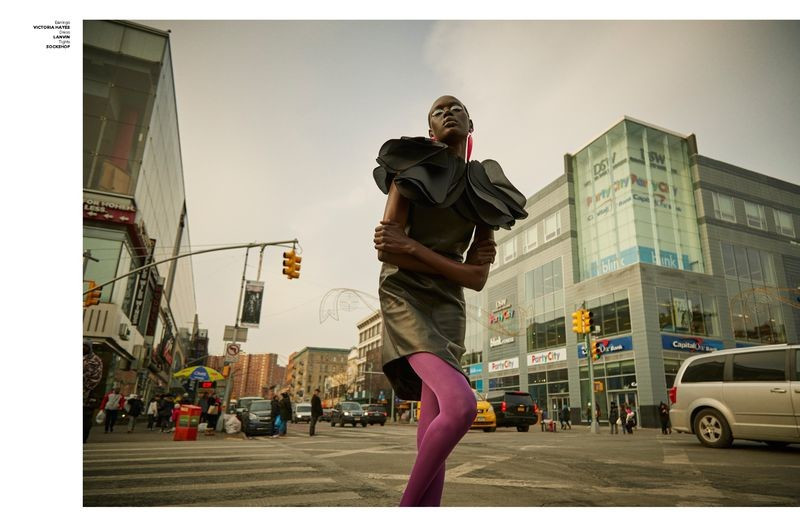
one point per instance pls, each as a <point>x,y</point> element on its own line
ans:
<point>391,238</point>
<point>482,252</point>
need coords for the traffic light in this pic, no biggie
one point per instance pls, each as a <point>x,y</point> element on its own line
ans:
<point>291,264</point>
<point>92,298</point>
<point>596,352</point>
<point>588,321</point>
<point>577,321</point>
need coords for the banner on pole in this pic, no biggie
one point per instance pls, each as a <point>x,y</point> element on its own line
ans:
<point>251,309</point>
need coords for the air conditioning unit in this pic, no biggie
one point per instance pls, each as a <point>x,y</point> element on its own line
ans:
<point>124,331</point>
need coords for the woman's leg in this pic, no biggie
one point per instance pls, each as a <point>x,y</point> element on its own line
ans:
<point>432,497</point>
<point>457,410</point>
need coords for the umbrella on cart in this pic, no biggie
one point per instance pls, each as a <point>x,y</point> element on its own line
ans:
<point>200,373</point>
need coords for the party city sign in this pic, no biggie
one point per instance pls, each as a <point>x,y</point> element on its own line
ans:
<point>547,357</point>
<point>609,346</point>
<point>690,344</point>
<point>502,365</point>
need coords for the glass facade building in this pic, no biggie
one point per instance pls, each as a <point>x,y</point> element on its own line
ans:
<point>673,252</point>
<point>135,206</point>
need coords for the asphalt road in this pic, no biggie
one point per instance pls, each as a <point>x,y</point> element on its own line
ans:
<point>346,466</point>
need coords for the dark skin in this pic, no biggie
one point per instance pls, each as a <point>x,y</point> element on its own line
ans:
<point>450,124</point>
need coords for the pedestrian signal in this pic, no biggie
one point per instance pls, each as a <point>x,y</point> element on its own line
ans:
<point>208,385</point>
<point>577,321</point>
<point>291,264</point>
<point>92,298</point>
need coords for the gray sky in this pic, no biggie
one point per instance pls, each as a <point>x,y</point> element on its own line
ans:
<point>281,122</point>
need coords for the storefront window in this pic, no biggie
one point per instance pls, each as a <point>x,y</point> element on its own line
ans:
<point>504,382</point>
<point>107,251</point>
<point>611,312</point>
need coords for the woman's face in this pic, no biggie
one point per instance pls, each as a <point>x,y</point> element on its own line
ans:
<point>448,120</point>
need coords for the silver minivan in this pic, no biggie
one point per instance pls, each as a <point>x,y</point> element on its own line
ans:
<point>749,393</point>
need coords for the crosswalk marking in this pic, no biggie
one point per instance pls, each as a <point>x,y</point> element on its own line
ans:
<point>338,453</point>
<point>239,464</point>
<point>205,486</point>
<point>206,473</point>
<point>277,501</point>
<point>199,457</point>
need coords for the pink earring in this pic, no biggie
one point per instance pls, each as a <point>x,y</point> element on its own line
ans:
<point>469,146</point>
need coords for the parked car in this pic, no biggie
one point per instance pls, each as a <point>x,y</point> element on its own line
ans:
<point>513,409</point>
<point>257,418</point>
<point>486,418</point>
<point>376,414</point>
<point>326,415</point>
<point>749,393</point>
<point>348,412</point>
<point>242,404</point>
<point>302,413</point>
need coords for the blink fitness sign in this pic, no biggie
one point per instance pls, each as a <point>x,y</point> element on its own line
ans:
<point>609,346</point>
<point>690,344</point>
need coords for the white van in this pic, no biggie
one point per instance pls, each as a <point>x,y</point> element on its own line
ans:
<point>749,393</point>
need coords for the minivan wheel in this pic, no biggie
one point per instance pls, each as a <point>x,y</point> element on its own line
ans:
<point>712,430</point>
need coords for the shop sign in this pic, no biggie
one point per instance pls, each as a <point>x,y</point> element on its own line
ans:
<point>502,365</point>
<point>500,305</point>
<point>475,369</point>
<point>499,341</point>
<point>547,357</point>
<point>690,344</point>
<point>501,316</point>
<point>609,346</point>
<point>108,211</point>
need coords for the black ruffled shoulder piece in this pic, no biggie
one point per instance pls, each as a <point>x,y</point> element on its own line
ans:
<point>426,174</point>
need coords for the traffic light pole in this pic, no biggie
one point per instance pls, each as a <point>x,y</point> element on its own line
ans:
<point>595,426</point>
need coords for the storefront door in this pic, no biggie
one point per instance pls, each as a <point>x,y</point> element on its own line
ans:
<point>558,401</point>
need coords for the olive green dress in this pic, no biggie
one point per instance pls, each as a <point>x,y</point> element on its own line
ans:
<point>422,312</point>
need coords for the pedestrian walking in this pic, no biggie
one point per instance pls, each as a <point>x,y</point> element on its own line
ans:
<point>589,413</point>
<point>275,414</point>
<point>613,418</point>
<point>630,420</point>
<point>597,412</point>
<point>164,412</point>
<point>663,415</point>
<point>213,410</point>
<point>623,417</point>
<point>437,203</point>
<point>173,419</point>
<point>152,412</point>
<point>316,412</point>
<point>203,402</point>
<point>134,406</point>
<point>286,412</point>
<point>565,418</point>
<point>112,403</point>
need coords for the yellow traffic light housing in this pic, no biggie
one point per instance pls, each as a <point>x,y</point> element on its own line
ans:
<point>596,352</point>
<point>587,321</point>
<point>92,298</point>
<point>291,264</point>
<point>577,321</point>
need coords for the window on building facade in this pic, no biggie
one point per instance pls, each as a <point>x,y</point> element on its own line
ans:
<point>611,312</point>
<point>504,382</point>
<point>509,249</point>
<point>552,227</point>
<point>680,311</point>
<point>755,215</point>
<point>753,299</point>
<point>784,223</point>
<point>544,300</point>
<point>532,238</point>
<point>723,207</point>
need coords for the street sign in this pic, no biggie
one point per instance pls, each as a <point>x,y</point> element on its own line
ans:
<point>241,334</point>
<point>232,349</point>
<point>229,359</point>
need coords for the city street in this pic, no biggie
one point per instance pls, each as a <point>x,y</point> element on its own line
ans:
<point>346,466</point>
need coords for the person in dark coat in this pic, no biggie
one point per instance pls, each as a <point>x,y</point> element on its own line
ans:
<point>663,415</point>
<point>613,416</point>
<point>275,413</point>
<point>135,408</point>
<point>165,407</point>
<point>316,412</point>
<point>286,412</point>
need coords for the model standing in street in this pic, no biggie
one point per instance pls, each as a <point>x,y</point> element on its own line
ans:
<point>438,201</point>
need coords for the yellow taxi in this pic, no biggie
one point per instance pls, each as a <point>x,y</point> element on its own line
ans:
<point>486,418</point>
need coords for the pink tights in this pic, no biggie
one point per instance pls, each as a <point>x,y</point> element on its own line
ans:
<point>447,413</point>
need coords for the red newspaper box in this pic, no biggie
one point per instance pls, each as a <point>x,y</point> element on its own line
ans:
<point>186,426</point>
